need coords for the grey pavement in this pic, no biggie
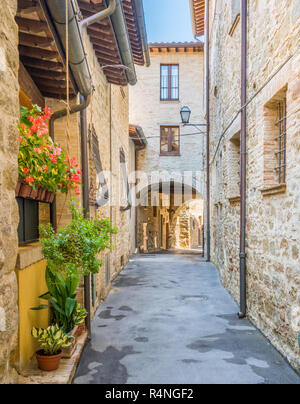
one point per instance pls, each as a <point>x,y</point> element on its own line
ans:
<point>168,320</point>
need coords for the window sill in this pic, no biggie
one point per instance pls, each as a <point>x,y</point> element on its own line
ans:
<point>234,199</point>
<point>170,155</point>
<point>29,255</point>
<point>275,190</point>
<point>170,101</point>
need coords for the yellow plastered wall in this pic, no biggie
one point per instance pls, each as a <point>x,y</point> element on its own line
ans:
<point>31,281</point>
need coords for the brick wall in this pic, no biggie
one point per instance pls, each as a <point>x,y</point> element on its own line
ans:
<point>9,114</point>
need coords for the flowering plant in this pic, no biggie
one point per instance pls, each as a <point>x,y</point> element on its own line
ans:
<point>42,162</point>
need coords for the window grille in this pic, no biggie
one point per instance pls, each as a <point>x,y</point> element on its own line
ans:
<point>281,152</point>
<point>169,82</point>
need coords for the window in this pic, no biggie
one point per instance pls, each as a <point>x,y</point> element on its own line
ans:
<point>169,82</point>
<point>233,169</point>
<point>169,140</point>
<point>28,230</point>
<point>275,139</point>
<point>281,143</point>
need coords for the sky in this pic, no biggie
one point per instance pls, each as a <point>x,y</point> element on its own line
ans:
<point>168,20</point>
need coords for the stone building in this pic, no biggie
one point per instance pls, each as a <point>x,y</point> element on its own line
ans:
<point>171,166</point>
<point>32,71</point>
<point>272,191</point>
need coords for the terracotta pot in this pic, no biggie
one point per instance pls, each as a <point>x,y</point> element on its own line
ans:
<point>34,194</point>
<point>48,196</point>
<point>67,353</point>
<point>43,193</point>
<point>52,196</point>
<point>80,330</point>
<point>18,188</point>
<point>25,191</point>
<point>48,363</point>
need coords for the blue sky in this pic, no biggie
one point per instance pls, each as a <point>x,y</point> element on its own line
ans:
<point>168,20</point>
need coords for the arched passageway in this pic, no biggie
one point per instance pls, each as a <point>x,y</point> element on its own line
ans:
<point>170,216</point>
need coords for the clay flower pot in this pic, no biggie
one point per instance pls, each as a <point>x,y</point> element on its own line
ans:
<point>25,191</point>
<point>51,198</point>
<point>80,329</point>
<point>18,187</point>
<point>68,352</point>
<point>48,363</point>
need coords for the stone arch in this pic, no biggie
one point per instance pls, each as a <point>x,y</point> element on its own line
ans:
<point>156,223</point>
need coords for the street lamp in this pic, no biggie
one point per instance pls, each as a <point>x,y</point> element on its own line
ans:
<point>185,115</point>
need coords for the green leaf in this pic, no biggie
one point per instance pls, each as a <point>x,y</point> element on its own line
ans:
<point>70,306</point>
<point>42,307</point>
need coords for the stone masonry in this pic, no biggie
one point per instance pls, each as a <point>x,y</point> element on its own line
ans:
<point>273,210</point>
<point>9,112</point>
<point>148,111</point>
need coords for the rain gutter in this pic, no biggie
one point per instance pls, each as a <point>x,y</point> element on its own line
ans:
<point>143,32</point>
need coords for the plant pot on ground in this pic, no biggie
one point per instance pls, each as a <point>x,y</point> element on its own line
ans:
<point>68,352</point>
<point>48,363</point>
<point>52,340</point>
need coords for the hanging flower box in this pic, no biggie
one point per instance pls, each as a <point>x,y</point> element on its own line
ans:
<point>44,167</point>
<point>40,194</point>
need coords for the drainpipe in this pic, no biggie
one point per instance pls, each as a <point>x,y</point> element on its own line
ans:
<point>143,31</point>
<point>243,271</point>
<point>207,132</point>
<point>82,76</point>
<point>117,17</point>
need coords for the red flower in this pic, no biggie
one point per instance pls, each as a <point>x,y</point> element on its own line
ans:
<point>25,170</point>
<point>53,158</point>
<point>45,168</point>
<point>29,180</point>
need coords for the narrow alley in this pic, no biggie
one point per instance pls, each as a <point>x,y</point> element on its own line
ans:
<point>169,320</point>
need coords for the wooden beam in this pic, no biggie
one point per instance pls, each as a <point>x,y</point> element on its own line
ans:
<point>42,64</point>
<point>35,40</point>
<point>29,25</point>
<point>29,87</point>
<point>38,53</point>
<point>46,74</point>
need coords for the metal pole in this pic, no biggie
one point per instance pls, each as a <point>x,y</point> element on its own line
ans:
<point>243,270</point>
<point>86,206</point>
<point>207,133</point>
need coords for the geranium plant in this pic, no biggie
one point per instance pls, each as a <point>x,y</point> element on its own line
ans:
<point>42,162</point>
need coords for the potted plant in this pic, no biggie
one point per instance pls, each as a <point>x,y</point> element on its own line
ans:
<point>70,253</point>
<point>79,318</point>
<point>52,340</point>
<point>44,168</point>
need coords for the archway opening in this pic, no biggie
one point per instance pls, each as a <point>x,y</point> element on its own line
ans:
<point>170,217</point>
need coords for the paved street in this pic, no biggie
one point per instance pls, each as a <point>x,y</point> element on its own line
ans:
<point>169,320</point>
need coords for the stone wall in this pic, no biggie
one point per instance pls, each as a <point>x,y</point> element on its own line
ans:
<point>272,212</point>
<point>149,112</point>
<point>108,117</point>
<point>9,113</point>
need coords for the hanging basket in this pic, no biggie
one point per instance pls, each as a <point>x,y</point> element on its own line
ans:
<point>39,194</point>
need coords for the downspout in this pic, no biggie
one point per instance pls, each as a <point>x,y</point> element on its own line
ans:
<point>143,31</point>
<point>82,76</point>
<point>243,274</point>
<point>86,204</point>
<point>207,131</point>
<point>117,17</point>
